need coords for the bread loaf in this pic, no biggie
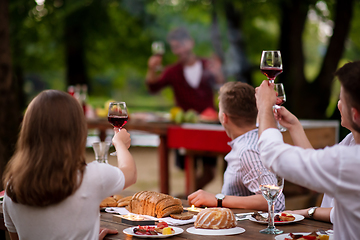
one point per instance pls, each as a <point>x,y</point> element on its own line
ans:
<point>154,204</point>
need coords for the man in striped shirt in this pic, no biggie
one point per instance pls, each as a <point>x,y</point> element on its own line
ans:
<point>237,113</point>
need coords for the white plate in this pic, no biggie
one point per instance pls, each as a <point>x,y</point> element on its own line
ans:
<point>287,235</point>
<point>130,231</point>
<point>215,232</point>
<point>297,218</point>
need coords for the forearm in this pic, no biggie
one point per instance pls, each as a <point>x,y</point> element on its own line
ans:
<point>266,119</point>
<point>254,202</point>
<point>126,164</point>
<point>299,137</point>
<point>321,214</point>
<point>151,76</point>
<point>219,78</point>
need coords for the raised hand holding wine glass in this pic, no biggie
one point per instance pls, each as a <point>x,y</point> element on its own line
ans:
<point>117,116</point>
<point>271,186</point>
<point>281,98</point>
<point>271,64</point>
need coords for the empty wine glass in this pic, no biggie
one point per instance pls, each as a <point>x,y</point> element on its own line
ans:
<point>158,48</point>
<point>271,64</point>
<point>271,186</point>
<point>281,98</point>
<point>117,116</point>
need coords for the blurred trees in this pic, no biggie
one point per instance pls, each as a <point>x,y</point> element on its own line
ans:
<point>106,43</point>
<point>9,116</point>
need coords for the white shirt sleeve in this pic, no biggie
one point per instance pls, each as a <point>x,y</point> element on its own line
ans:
<point>7,219</point>
<point>314,169</point>
<point>111,178</point>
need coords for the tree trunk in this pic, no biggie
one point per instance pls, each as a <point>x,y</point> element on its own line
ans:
<point>305,99</point>
<point>75,49</point>
<point>10,116</point>
<point>240,67</point>
<point>292,25</point>
<point>215,34</point>
<point>343,16</point>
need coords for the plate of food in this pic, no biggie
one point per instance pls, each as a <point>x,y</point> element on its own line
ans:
<point>280,218</point>
<point>303,236</point>
<point>162,230</point>
<point>215,232</point>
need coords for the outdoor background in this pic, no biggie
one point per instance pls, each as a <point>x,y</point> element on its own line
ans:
<point>105,44</point>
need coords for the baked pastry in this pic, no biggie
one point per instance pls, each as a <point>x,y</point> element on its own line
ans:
<point>117,197</point>
<point>154,204</point>
<point>108,202</point>
<point>215,218</point>
<point>286,217</point>
<point>182,216</point>
<point>123,202</point>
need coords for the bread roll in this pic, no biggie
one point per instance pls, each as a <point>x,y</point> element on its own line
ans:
<point>154,204</point>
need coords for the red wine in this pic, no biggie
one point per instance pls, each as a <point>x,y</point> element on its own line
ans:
<point>280,101</point>
<point>271,72</point>
<point>118,121</point>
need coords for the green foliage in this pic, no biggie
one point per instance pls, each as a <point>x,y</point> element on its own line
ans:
<point>118,35</point>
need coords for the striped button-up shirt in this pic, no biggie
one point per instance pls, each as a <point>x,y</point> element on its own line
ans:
<point>242,175</point>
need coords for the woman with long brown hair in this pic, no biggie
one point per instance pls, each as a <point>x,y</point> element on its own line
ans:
<point>51,193</point>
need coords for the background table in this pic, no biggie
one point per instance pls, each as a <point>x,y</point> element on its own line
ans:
<point>207,139</point>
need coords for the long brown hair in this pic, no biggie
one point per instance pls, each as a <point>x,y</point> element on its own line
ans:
<point>49,161</point>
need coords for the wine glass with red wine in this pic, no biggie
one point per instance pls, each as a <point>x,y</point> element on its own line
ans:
<point>271,64</point>
<point>281,98</point>
<point>117,116</point>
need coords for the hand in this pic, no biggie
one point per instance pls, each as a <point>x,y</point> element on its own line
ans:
<point>265,95</point>
<point>121,137</point>
<point>202,198</point>
<point>286,118</point>
<point>214,65</point>
<point>104,231</point>
<point>154,61</point>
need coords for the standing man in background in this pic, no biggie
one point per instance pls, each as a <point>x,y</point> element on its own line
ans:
<point>192,80</point>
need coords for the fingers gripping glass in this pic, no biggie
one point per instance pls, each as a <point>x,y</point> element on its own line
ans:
<point>117,116</point>
<point>281,98</point>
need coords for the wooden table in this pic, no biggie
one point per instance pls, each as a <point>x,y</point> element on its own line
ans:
<point>251,228</point>
<point>208,139</point>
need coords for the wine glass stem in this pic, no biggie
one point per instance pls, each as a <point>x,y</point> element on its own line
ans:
<point>271,214</point>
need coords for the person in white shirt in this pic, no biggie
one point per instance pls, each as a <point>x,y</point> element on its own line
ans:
<point>287,119</point>
<point>237,113</point>
<point>333,170</point>
<point>50,191</point>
